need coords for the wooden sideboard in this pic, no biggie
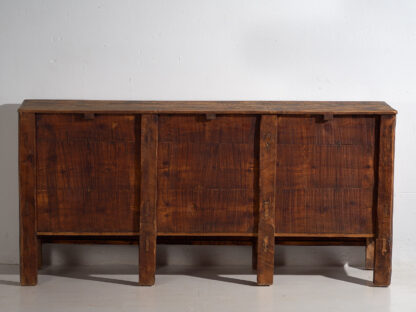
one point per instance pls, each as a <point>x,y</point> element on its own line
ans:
<point>253,173</point>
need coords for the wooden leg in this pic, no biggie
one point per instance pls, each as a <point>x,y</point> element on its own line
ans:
<point>148,195</point>
<point>383,242</point>
<point>28,240</point>
<point>382,264</point>
<point>254,256</point>
<point>369,254</point>
<point>265,242</point>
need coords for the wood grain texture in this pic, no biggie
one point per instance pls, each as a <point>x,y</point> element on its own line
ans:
<point>87,173</point>
<point>253,173</point>
<point>202,240</point>
<point>325,175</point>
<point>206,174</point>
<point>27,203</point>
<point>384,212</point>
<point>267,189</point>
<point>148,199</point>
<point>202,107</point>
<point>369,254</point>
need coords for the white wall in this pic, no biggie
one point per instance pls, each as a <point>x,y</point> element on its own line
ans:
<point>211,50</point>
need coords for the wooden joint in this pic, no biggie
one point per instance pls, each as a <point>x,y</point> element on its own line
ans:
<point>89,116</point>
<point>211,116</point>
<point>327,117</point>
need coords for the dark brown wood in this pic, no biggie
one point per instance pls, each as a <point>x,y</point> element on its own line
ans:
<point>384,211</point>
<point>267,188</point>
<point>203,107</point>
<point>201,240</point>
<point>211,116</point>
<point>27,202</point>
<point>148,199</point>
<point>250,173</point>
<point>86,169</point>
<point>206,174</point>
<point>369,254</point>
<point>325,175</point>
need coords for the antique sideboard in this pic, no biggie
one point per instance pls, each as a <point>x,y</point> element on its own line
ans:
<point>255,173</point>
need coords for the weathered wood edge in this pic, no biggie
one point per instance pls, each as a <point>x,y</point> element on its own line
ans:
<point>214,107</point>
<point>384,211</point>
<point>369,254</point>
<point>27,203</point>
<point>267,190</point>
<point>148,198</point>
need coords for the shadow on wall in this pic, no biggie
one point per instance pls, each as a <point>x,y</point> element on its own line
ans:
<point>166,255</point>
<point>9,206</point>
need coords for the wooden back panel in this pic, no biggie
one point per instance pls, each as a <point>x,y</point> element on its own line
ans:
<point>87,173</point>
<point>325,174</point>
<point>207,174</point>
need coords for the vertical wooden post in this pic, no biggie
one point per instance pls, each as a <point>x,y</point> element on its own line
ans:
<point>27,183</point>
<point>267,189</point>
<point>148,196</point>
<point>369,254</point>
<point>383,242</point>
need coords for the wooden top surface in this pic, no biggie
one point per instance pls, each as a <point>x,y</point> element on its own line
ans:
<point>201,107</point>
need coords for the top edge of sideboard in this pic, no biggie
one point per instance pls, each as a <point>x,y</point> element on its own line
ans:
<point>202,107</point>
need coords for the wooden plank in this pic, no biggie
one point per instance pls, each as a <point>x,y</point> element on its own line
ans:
<point>317,235</point>
<point>207,107</point>
<point>206,174</point>
<point>384,215</point>
<point>201,240</point>
<point>369,254</point>
<point>148,198</point>
<point>27,203</point>
<point>325,175</point>
<point>267,186</point>
<point>88,233</point>
<point>86,167</point>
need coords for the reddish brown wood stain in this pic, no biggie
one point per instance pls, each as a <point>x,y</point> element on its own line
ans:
<point>86,178</point>
<point>325,175</point>
<point>249,173</point>
<point>206,174</point>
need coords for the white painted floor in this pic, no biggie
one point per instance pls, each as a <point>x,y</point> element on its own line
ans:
<point>213,289</point>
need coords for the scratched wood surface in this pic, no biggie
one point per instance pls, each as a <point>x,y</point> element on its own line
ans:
<point>325,175</point>
<point>207,174</point>
<point>87,173</point>
<point>202,172</point>
<point>384,210</point>
<point>27,202</point>
<point>267,193</point>
<point>148,199</point>
<point>219,107</point>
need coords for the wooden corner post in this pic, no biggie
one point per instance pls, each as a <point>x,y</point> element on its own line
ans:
<point>148,197</point>
<point>27,202</point>
<point>384,214</point>
<point>267,189</point>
